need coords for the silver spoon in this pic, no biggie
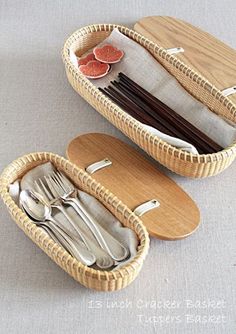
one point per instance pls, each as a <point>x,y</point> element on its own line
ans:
<point>58,238</point>
<point>103,260</point>
<point>40,212</point>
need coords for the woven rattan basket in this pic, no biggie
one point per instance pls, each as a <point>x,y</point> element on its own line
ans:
<point>183,163</point>
<point>89,277</point>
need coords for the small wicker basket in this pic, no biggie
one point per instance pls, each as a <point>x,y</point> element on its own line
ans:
<point>89,277</point>
<point>183,163</point>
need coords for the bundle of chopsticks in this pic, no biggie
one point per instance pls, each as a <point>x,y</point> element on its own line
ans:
<point>149,110</point>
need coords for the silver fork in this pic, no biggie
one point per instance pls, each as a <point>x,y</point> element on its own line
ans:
<point>103,260</point>
<point>56,203</point>
<point>68,193</point>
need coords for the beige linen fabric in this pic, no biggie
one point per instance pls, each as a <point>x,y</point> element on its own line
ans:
<point>140,66</point>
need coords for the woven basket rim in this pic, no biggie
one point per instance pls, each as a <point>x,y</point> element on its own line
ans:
<point>29,226</point>
<point>183,155</point>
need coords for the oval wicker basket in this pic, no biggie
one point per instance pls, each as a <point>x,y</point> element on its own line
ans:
<point>183,163</point>
<point>89,277</point>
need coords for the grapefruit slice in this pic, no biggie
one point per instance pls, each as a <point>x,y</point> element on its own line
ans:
<point>108,54</point>
<point>94,69</point>
<point>86,59</point>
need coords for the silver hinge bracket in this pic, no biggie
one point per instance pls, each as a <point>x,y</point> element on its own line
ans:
<point>229,91</point>
<point>147,206</point>
<point>175,50</point>
<point>98,165</point>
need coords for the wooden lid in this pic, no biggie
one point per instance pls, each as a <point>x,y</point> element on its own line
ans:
<point>135,181</point>
<point>204,53</point>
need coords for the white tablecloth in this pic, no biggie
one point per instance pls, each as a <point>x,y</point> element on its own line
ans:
<point>40,112</point>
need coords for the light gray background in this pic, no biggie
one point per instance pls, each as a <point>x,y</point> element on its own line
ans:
<point>41,112</point>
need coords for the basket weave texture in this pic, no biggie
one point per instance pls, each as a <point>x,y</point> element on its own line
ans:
<point>89,277</point>
<point>180,162</point>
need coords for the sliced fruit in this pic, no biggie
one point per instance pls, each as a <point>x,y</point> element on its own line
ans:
<point>108,54</point>
<point>94,69</point>
<point>86,59</point>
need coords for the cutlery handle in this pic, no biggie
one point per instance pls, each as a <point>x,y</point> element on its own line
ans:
<point>114,248</point>
<point>103,259</point>
<point>75,226</point>
<point>79,252</point>
<point>52,234</point>
<point>55,236</point>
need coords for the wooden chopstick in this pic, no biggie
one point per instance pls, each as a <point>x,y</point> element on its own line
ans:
<point>132,109</point>
<point>167,125</point>
<point>184,126</point>
<point>121,103</point>
<point>135,111</point>
<point>178,130</point>
<point>169,113</point>
<point>190,132</point>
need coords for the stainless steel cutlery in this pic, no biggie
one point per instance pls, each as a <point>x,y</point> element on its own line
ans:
<point>56,191</point>
<point>55,202</point>
<point>34,205</point>
<point>61,187</point>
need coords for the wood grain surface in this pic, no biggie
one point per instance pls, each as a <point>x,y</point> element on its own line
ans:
<point>135,180</point>
<point>204,53</point>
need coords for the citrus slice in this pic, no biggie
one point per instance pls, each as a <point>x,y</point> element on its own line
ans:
<point>86,59</point>
<point>108,54</point>
<point>94,69</point>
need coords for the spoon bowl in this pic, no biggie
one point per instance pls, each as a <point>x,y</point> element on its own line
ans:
<point>35,206</point>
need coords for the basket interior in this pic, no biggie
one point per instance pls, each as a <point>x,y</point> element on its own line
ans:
<point>84,182</point>
<point>220,105</point>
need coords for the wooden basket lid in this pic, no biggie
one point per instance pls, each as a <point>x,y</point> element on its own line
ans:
<point>204,53</point>
<point>136,181</point>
